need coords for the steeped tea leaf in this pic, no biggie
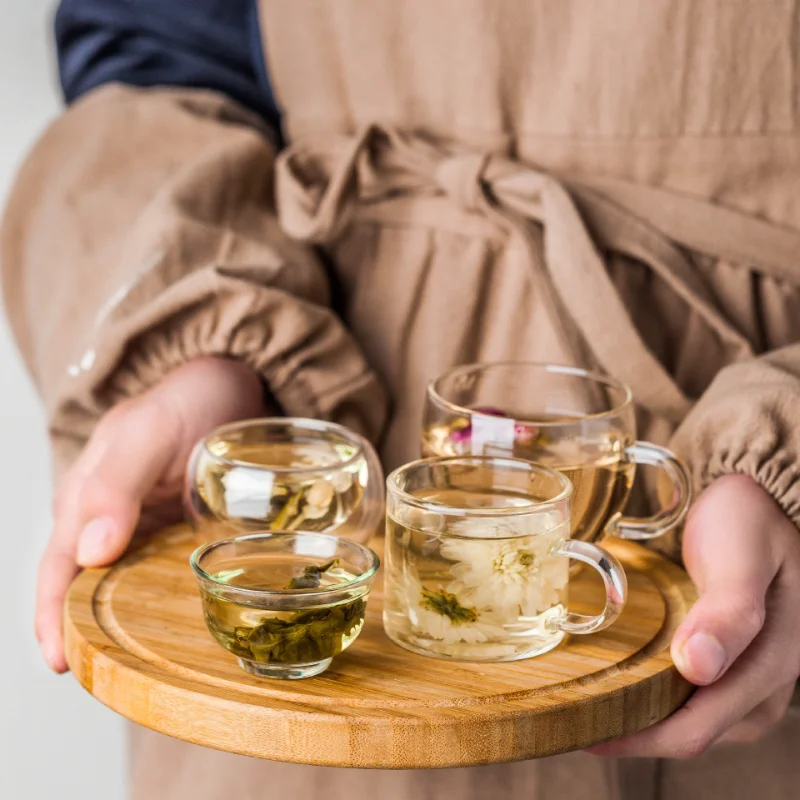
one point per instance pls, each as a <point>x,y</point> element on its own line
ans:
<point>305,637</point>
<point>312,576</point>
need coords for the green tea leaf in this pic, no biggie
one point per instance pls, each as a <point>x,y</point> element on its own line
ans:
<point>312,576</point>
<point>306,636</point>
<point>227,575</point>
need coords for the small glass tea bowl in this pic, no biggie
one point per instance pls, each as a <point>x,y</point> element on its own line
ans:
<point>284,603</point>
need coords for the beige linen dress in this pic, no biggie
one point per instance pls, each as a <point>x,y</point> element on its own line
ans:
<point>614,184</point>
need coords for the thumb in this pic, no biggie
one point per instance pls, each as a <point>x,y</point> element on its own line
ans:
<point>727,554</point>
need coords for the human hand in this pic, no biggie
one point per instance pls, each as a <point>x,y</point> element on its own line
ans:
<point>741,640</point>
<point>131,470</point>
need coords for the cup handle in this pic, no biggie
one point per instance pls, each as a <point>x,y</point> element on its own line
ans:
<point>366,520</point>
<point>613,576</point>
<point>649,527</point>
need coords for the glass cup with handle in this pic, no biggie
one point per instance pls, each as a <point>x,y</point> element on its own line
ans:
<point>477,560</point>
<point>578,422</point>
<point>287,474</point>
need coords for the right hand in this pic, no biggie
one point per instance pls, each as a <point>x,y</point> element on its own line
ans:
<point>130,475</point>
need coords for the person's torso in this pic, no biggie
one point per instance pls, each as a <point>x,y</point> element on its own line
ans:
<point>697,98</point>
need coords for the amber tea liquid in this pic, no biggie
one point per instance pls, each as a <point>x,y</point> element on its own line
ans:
<point>601,476</point>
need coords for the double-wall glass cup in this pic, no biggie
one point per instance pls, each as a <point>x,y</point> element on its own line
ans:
<point>284,474</point>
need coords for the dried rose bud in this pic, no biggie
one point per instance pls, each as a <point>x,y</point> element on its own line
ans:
<point>461,431</point>
<point>525,434</point>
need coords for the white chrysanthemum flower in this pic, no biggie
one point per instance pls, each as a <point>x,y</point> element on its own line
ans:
<point>440,616</point>
<point>441,627</point>
<point>511,576</point>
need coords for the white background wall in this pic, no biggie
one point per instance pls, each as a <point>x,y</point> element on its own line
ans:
<point>55,740</point>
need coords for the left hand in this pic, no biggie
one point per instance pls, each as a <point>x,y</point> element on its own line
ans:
<point>129,477</point>
<point>741,640</point>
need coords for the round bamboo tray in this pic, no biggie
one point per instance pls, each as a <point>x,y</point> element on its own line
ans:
<point>136,640</point>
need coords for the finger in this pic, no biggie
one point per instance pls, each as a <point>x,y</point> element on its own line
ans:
<point>763,717</point>
<point>57,569</point>
<point>143,445</point>
<point>689,732</point>
<point>761,720</point>
<point>713,710</point>
<point>728,554</point>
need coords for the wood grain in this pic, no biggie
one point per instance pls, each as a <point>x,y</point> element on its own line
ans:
<point>135,639</point>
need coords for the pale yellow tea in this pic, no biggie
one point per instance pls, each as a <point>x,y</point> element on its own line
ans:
<point>313,486</point>
<point>313,634</point>
<point>484,588</point>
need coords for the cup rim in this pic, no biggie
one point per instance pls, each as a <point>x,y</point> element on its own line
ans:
<point>364,577</point>
<point>315,425</point>
<point>560,369</point>
<point>393,487</point>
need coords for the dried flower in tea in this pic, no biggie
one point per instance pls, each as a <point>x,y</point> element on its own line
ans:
<point>481,586</point>
<point>461,431</point>
<point>252,495</point>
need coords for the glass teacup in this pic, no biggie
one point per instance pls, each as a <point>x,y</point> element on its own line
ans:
<point>285,604</point>
<point>284,474</point>
<point>477,553</point>
<point>578,422</point>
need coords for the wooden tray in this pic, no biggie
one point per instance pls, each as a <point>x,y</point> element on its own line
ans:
<point>136,640</point>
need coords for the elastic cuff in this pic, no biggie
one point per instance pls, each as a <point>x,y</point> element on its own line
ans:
<point>747,423</point>
<point>307,359</point>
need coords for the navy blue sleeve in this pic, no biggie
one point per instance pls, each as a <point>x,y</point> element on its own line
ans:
<point>209,44</point>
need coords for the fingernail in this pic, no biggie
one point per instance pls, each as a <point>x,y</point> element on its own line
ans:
<point>51,656</point>
<point>701,659</point>
<point>94,541</point>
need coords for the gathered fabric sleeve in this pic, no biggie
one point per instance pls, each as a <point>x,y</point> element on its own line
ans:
<point>748,422</point>
<point>141,234</point>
